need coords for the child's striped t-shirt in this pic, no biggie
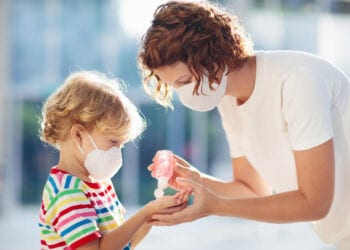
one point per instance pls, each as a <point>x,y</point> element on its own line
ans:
<point>74,212</point>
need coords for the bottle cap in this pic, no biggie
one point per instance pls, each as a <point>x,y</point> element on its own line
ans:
<point>158,193</point>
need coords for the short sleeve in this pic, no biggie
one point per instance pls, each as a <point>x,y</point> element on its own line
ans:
<point>73,217</point>
<point>307,109</point>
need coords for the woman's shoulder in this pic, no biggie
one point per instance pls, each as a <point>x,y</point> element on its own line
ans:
<point>275,53</point>
<point>293,59</point>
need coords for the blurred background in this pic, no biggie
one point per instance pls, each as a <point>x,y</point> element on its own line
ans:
<point>42,41</point>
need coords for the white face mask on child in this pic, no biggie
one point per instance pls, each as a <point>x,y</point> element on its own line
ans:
<point>207,99</point>
<point>102,164</point>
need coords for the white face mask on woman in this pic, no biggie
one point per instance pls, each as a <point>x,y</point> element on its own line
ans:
<point>102,164</point>
<point>207,99</point>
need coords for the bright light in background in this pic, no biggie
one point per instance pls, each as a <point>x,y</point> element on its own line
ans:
<point>333,41</point>
<point>136,15</point>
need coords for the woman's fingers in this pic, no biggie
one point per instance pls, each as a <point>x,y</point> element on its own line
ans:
<point>188,184</point>
<point>179,168</point>
<point>184,194</point>
<point>158,223</point>
<point>150,167</point>
<point>185,215</point>
<point>181,161</point>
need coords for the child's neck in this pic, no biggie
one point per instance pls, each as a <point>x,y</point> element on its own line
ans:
<point>70,163</point>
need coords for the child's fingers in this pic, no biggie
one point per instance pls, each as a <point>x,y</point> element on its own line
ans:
<point>189,192</point>
<point>170,210</point>
<point>178,195</point>
<point>183,195</point>
<point>186,195</point>
<point>169,201</point>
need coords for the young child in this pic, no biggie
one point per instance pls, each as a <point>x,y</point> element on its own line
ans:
<point>88,119</point>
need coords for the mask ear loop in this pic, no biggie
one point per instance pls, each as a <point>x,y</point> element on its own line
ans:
<point>92,141</point>
<point>80,149</point>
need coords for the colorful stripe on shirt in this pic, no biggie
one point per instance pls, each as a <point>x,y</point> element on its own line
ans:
<point>74,212</point>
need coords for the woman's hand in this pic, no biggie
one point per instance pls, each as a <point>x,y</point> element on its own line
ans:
<point>203,205</point>
<point>169,204</point>
<point>182,169</point>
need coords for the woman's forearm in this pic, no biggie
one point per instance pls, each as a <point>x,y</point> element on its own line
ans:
<point>234,189</point>
<point>311,201</point>
<point>280,208</point>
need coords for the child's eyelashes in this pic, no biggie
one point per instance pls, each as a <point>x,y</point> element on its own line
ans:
<point>117,143</point>
<point>114,142</point>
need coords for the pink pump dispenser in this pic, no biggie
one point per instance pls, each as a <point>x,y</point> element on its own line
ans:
<point>163,170</point>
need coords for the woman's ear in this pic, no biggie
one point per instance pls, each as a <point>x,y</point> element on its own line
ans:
<point>76,134</point>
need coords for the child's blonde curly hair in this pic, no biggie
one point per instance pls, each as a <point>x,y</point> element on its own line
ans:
<point>94,101</point>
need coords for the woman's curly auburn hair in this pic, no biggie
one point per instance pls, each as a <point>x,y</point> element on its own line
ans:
<point>205,38</point>
<point>93,100</point>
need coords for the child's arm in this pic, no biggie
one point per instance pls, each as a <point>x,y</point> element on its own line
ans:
<point>126,232</point>
<point>140,235</point>
<point>144,230</point>
<point>121,236</point>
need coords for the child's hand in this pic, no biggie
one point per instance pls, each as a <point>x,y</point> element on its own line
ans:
<point>169,204</point>
<point>183,196</point>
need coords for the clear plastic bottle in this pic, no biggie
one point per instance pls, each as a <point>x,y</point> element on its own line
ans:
<point>163,170</point>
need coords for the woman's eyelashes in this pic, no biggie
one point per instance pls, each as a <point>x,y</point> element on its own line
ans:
<point>188,81</point>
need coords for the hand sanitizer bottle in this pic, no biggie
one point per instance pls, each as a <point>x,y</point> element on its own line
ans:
<point>163,167</point>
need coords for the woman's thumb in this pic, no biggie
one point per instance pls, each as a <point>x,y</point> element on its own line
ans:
<point>181,170</point>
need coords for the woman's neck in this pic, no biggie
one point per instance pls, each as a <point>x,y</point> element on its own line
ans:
<point>241,82</point>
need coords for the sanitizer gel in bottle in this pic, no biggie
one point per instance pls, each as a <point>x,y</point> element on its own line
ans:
<point>163,170</point>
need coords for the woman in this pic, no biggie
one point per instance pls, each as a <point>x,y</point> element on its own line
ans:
<point>286,115</point>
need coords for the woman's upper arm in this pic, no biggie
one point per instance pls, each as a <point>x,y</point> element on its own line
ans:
<point>316,175</point>
<point>245,173</point>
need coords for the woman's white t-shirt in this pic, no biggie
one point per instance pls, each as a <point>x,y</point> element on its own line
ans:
<point>299,101</point>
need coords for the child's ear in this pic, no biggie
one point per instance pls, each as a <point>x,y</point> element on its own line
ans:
<point>76,133</point>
